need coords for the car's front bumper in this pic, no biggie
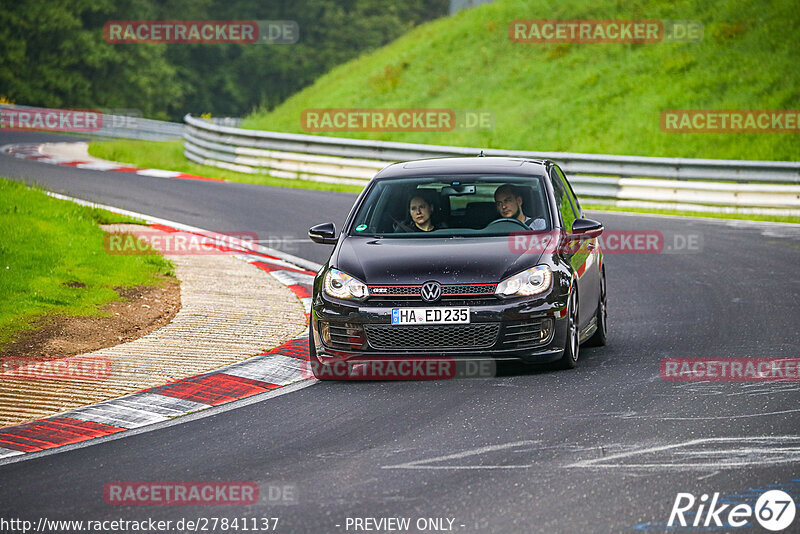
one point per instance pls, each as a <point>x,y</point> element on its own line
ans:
<point>530,330</point>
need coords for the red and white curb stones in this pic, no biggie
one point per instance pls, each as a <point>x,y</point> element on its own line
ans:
<point>32,151</point>
<point>281,366</point>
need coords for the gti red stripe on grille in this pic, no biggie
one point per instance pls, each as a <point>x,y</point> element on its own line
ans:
<point>54,432</point>
<point>215,389</point>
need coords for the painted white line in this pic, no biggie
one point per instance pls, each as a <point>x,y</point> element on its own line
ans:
<point>99,166</point>
<point>289,278</point>
<point>116,414</point>
<point>419,464</point>
<point>158,173</point>
<point>746,415</point>
<point>7,453</point>
<point>770,454</point>
<point>273,369</point>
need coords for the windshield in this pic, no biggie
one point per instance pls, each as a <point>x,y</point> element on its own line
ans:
<point>453,206</point>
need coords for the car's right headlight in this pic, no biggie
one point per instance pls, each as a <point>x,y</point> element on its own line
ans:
<point>341,285</point>
<point>529,282</point>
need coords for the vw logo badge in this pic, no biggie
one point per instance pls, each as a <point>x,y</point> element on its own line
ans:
<point>431,291</point>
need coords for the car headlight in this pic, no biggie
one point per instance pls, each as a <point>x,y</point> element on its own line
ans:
<point>529,282</point>
<point>341,285</point>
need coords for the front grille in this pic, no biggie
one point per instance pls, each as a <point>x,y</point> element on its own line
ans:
<point>448,291</point>
<point>525,334</point>
<point>421,337</point>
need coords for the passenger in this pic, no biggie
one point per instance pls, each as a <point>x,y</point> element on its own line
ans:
<point>508,201</point>
<point>421,212</point>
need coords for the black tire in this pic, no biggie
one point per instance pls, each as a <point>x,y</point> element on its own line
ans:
<point>600,335</point>
<point>569,358</point>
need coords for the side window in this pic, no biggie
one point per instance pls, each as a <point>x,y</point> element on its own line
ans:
<point>562,200</point>
<point>575,204</point>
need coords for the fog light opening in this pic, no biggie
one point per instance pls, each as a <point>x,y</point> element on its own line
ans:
<point>546,329</point>
<point>355,336</point>
<point>325,332</point>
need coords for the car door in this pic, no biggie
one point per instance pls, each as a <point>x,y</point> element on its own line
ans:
<point>585,257</point>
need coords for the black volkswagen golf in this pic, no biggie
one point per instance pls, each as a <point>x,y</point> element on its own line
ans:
<point>460,258</point>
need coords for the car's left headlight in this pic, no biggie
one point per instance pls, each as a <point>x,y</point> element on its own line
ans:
<point>341,285</point>
<point>529,282</point>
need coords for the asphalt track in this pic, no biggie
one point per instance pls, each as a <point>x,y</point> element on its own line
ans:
<point>602,448</point>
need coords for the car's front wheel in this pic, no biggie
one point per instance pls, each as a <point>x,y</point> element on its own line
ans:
<point>599,337</point>
<point>569,358</point>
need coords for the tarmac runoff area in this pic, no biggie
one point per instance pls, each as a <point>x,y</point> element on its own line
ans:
<point>230,311</point>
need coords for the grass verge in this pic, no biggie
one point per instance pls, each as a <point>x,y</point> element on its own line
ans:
<point>597,98</point>
<point>52,260</point>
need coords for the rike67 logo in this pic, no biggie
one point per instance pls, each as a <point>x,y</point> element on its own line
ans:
<point>774,510</point>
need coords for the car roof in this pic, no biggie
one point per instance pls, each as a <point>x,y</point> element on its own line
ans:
<point>474,165</point>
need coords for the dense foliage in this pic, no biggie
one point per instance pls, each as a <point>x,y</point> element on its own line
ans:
<point>53,53</point>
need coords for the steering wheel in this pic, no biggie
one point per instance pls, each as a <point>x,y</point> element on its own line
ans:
<point>508,219</point>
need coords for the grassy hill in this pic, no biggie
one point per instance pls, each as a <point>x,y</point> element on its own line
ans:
<point>594,98</point>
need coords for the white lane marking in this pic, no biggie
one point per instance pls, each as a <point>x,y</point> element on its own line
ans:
<point>718,416</point>
<point>158,173</point>
<point>115,414</point>
<point>740,452</point>
<point>273,368</point>
<point>419,464</point>
<point>289,278</point>
<point>6,453</point>
<point>98,166</point>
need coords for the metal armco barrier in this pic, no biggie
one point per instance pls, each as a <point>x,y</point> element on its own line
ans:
<point>742,186</point>
<point>114,125</point>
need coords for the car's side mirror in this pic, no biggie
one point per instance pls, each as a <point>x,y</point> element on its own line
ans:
<point>587,227</point>
<point>324,233</point>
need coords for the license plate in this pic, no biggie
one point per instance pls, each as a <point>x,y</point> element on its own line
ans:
<point>430,315</point>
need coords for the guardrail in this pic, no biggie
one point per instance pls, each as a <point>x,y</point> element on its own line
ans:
<point>679,183</point>
<point>108,125</point>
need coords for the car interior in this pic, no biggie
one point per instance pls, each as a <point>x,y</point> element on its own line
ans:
<point>468,206</point>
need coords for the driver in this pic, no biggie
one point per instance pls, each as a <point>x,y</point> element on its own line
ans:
<point>508,201</point>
